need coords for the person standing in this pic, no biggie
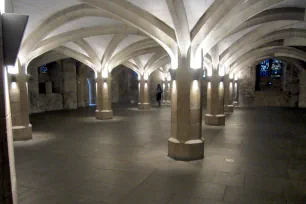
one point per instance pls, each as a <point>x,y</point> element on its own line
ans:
<point>159,92</point>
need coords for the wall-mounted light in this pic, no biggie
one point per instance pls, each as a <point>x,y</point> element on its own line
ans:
<point>146,77</point>
<point>12,69</point>
<point>169,77</point>
<point>236,77</point>
<point>2,6</point>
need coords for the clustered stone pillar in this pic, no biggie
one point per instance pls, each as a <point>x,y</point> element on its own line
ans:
<point>215,100</point>
<point>144,101</point>
<point>103,99</point>
<point>186,142</point>
<point>22,129</point>
<point>228,94</point>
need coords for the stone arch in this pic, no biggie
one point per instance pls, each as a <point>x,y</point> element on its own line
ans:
<point>241,15</point>
<point>124,55</point>
<point>269,51</point>
<point>56,20</point>
<point>56,41</point>
<point>240,49</point>
<point>140,19</point>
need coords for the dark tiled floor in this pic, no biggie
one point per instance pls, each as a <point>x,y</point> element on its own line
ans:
<point>259,157</point>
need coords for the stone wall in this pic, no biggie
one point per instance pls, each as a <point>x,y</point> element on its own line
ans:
<point>69,86</point>
<point>285,95</point>
<point>302,97</point>
<point>124,85</point>
<point>155,78</point>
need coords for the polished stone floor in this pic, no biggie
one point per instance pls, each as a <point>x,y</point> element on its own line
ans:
<point>259,157</point>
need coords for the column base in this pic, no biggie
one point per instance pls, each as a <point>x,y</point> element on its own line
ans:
<point>22,133</point>
<point>215,120</point>
<point>144,106</point>
<point>104,115</point>
<point>188,151</point>
<point>229,108</point>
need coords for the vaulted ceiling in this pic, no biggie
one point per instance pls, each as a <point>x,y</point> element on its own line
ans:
<point>144,34</point>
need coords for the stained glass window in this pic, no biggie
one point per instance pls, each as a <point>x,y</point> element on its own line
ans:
<point>276,69</point>
<point>271,68</point>
<point>264,68</point>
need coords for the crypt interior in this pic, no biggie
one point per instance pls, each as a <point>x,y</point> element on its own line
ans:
<point>80,120</point>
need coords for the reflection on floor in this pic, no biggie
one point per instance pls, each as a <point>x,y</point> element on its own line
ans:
<point>259,157</point>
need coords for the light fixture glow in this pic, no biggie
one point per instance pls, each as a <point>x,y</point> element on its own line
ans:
<point>236,77</point>
<point>14,85</point>
<point>12,69</point>
<point>2,6</point>
<point>169,77</point>
<point>174,85</point>
<point>104,74</point>
<point>195,85</point>
<point>145,76</point>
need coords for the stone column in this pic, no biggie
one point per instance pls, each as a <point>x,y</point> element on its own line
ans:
<point>186,142</point>
<point>215,100</point>
<point>143,99</point>
<point>103,99</point>
<point>228,94</point>
<point>18,89</point>
<point>8,185</point>
<point>236,92</point>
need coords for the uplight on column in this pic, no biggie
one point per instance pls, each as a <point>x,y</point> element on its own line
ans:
<point>195,85</point>
<point>2,6</point>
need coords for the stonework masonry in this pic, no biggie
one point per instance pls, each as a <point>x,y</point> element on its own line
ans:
<point>290,94</point>
<point>70,86</point>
